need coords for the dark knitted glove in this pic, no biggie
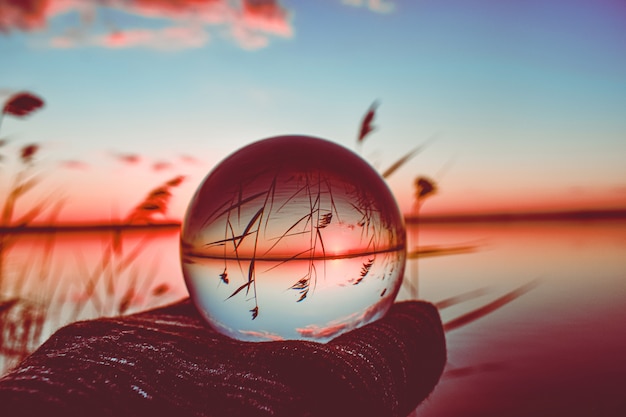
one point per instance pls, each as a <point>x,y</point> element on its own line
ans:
<point>169,362</point>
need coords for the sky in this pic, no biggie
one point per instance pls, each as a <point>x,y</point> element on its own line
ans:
<point>521,104</point>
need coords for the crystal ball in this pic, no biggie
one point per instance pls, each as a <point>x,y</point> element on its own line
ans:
<point>292,237</point>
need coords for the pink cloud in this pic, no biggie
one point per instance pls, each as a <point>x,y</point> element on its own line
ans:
<point>167,38</point>
<point>379,6</point>
<point>262,335</point>
<point>28,15</point>
<point>266,16</point>
<point>344,324</point>
<point>256,20</point>
<point>22,15</point>
<point>248,39</point>
<point>250,23</point>
<point>319,332</point>
<point>167,7</point>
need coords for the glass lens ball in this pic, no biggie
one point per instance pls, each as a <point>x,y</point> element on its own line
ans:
<point>292,237</point>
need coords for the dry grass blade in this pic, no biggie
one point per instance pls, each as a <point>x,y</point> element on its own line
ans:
<point>148,281</point>
<point>366,124</point>
<point>11,200</point>
<point>160,290</point>
<point>237,205</point>
<point>20,187</point>
<point>306,217</point>
<point>409,282</point>
<point>325,220</point>
<point>291,258</point>
<point>224,277</point>
<point>241,288</point>
<point>39,208</point>
<point>302,285</point>
<point>28,152</point>
<point>475,369</point>
<point>233,239</point>
<point>319,238</point>
<point>424,187</point>
<point>272,197</point>
<point>20,329</point>
<point>407,157</point>
<point>431,251</point>
<point>251,275</point>
<point>249,226</point>
<point>470,295</point>
<point>248,283</point>
<point>132,255</point>
<point>90,286</point>
<point>22,104</point>
<point>293,195</point>
<point>8,304</point>
<point>176,181</point>
<point>485,310</point>
<point>156,202</point>
<point>365,269</point>
<point>210,216</point>
<point>22,281</point>
<point>24,187</point>
<point>129,294</point>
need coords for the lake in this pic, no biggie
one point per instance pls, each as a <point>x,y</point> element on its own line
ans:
<point>558,349</point>
<point>555,345</point>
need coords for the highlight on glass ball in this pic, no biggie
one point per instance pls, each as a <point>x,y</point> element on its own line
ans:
<point>292,237</point>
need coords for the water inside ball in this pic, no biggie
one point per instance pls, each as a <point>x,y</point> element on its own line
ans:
<point>292,237</point>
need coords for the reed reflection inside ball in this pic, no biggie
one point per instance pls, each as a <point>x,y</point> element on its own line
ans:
<point>292,237</point>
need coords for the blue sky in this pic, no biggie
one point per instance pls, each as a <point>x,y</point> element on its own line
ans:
<point>526,99</point>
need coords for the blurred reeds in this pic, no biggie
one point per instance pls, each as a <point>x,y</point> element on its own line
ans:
<point>34,298</point>
<point>35,301</point>
<point>424,188</point>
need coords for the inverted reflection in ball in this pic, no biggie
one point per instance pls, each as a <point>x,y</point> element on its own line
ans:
<point>292,237</point>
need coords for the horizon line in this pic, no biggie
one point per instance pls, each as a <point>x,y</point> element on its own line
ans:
<point>560,215</point>
<point>522,216</point>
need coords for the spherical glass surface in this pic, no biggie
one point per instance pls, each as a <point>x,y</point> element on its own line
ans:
<point>292,237</point>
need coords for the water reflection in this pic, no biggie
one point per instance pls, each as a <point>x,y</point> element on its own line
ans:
<point>50,279</point>
<point>347,292</point>
<point>267,223</point>
<point>556,350</point>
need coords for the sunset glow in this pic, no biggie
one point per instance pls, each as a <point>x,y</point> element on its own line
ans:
<point>526,101</point>
<point>360,206</point>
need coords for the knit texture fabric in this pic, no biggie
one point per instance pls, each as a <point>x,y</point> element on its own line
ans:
<point>168,362</point>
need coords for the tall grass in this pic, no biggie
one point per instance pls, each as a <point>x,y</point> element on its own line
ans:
<point>32,300</point>
<point>36,298</point>
<point>425,188</point>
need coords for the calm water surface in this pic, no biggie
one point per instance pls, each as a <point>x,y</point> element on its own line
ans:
<point>558,349</point>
